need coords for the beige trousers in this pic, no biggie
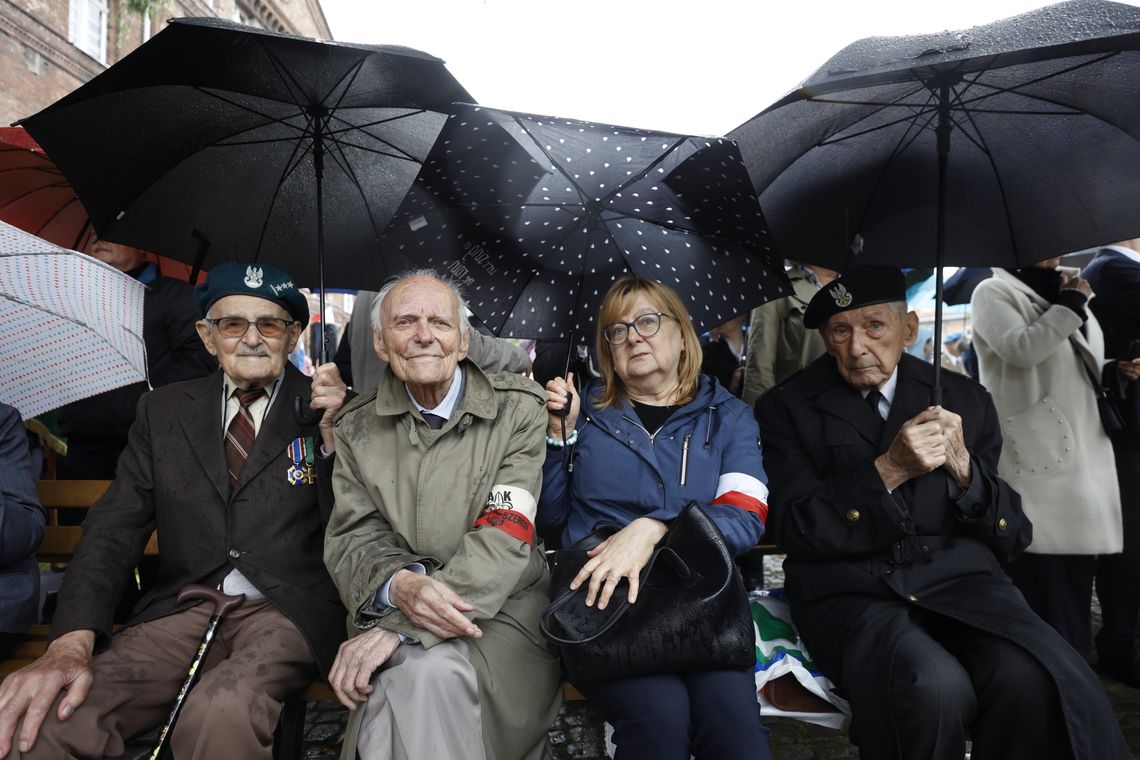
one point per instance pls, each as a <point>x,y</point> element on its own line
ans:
<point>424,706</point>
<point>258,658</point>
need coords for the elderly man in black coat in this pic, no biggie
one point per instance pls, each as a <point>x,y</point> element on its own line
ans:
<point>896,528</point>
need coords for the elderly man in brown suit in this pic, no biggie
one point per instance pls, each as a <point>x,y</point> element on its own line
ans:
<point>433,547</point>
<point>230,481</point>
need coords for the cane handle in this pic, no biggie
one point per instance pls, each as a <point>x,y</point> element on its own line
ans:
<point>223,603</point>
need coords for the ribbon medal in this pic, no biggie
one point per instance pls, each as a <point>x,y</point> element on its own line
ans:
<point>301,451</point>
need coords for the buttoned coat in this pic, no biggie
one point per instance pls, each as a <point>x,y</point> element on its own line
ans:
<point>172,477</point>
<point>1056,453</point>
<point>21,527</point>
<point>858,557</point>
<point>406,493</point>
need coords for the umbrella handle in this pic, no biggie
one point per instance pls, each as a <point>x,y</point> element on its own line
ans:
<point>305,417</point>
<point>223,603</point>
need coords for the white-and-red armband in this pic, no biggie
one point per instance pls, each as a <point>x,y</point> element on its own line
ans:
<point>511,509</point>
<point>736,489</point>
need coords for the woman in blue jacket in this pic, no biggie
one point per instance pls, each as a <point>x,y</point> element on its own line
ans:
<point>653,436</point>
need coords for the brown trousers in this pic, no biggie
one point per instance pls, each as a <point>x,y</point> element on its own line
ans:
<point>258,659</point>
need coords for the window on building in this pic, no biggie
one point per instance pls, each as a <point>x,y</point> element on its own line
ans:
<point>87,27</point>
<point>245,15</point>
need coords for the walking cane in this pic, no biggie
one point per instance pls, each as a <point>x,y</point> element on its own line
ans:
<point>222,605</point>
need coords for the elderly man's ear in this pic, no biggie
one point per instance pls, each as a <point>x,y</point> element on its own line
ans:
<point>910,328</point>
<point>378,345</point>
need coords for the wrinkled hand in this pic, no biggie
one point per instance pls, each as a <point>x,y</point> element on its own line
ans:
<point>431,605</point>
<point>918,449</point>
<point>1128,369</point>
<point>957,457</point>
<point>557,391</point>
<point>622,555</point>
<point>329,392</point>
<point>356,661</point>
<point>1073,281</point>
<point>30,691</point>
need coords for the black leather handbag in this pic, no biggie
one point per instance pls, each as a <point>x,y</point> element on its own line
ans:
<point>691,612</point>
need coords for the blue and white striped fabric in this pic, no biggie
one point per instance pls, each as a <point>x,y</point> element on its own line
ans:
<point>72,325</point>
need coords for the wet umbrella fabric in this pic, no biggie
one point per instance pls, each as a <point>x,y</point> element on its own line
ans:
<point>999,145</point>
<point>72,325</point>
<point>34,195</point>
<point>241,144</point>
<point>537,216</point>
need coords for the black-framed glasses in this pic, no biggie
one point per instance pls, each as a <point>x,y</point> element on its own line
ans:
<point>647,325</point>
<point>236,327</point>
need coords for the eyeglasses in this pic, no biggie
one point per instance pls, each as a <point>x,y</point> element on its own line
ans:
<point>237,327</point>
<point>647,325</point>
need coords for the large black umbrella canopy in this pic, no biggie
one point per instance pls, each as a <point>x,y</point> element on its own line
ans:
<point>215,141</point>
<point>537,216</point>
<point>999,145</point>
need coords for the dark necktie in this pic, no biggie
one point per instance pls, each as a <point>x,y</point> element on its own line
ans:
<point>434,421</point>
<point>873,398</point>
<point>240,433</point>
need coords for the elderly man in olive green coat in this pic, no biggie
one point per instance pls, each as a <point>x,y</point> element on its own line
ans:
<point>433,548</point>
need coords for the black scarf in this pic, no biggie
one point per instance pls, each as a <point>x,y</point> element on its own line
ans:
<point>1045,282</point>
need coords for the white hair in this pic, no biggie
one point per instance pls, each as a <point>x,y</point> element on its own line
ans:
<point>448,282</point>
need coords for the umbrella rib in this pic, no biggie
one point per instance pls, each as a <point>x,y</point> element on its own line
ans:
<point>248,109</point>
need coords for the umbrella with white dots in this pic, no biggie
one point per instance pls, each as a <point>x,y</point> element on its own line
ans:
<point>537,216</point>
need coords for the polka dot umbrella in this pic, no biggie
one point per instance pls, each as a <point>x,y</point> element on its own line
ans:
<point>536,216</point>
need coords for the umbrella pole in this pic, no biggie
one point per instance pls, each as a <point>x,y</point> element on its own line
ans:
<point>943,134</point>
<point>302,415</point>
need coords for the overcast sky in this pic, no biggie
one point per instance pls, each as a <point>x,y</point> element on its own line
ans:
<point>699,66</point>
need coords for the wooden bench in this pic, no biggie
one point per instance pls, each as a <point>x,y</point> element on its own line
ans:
<point>58,547</point>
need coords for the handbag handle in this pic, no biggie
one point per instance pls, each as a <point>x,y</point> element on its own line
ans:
<point>1088,370</point>
<point>623,605</point>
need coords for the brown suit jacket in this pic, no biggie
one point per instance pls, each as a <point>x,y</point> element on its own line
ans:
<point>172,477</point>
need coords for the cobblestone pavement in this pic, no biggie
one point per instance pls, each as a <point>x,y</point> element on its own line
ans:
<point>578,732</point>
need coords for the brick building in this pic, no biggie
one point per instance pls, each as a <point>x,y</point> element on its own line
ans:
<point>50,47</point>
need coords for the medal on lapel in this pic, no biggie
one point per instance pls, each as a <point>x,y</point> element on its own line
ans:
<point>301,454</point>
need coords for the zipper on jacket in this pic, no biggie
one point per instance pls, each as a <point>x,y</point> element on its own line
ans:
<point>685,458</point>
<point>708,430</point>
<point>641,427</point>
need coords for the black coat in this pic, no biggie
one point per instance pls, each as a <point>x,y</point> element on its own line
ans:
<point>1115,279</point>
<point>173,477</point>
<point>859,557</point>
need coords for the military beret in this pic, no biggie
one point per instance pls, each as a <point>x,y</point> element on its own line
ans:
<point>862,286</point>
<point>259,280</point>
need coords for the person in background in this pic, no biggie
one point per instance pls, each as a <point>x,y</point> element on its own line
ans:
<point>896,526</point>
<point>96,427</point>
<point>722,355</point>
<point>432,546</point>
<point>778,344</point>
<point>952,353</point>
<point>928,350</point>
<point>21,529</point>
<point>239,494</point>
<point>652,436</point>
<point>1114,274</point>
<point>361,367</point>
<point>1040,353</point>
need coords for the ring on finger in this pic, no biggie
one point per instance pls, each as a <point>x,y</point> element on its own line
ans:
<point>613,575</point>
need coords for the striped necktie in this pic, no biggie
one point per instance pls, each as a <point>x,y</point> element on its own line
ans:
<point>240,433</point>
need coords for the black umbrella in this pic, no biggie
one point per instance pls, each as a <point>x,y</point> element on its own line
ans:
<point>215,141</point>
<point>538,215</point>
<point>999,145</point>
<point>961,284</point>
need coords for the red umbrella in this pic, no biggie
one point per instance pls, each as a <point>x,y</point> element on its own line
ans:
<point>35,197</point>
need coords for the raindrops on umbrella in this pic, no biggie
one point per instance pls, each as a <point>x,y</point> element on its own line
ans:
<point>558,220</point>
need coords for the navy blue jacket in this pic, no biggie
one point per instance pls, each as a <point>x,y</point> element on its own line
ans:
<point>621,472</point>
<point>21,527</point>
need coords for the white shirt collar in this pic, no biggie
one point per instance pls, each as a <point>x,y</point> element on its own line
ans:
<point>888,391</point>
<point>447,406</point>
<point>1126,251</point>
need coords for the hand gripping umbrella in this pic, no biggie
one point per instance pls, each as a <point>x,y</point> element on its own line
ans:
<point>222,605</point>
<point>999,145</point>
<point>218,142</point>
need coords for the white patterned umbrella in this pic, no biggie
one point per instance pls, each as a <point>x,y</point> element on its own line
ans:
<point>72,325</point>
